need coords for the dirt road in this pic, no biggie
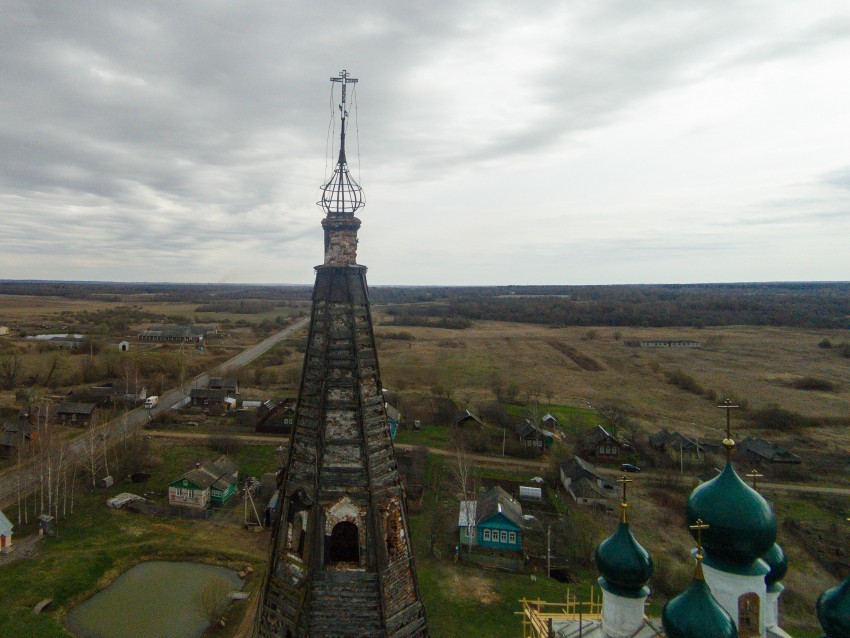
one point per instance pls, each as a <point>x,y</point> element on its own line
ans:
<point>511,464</point>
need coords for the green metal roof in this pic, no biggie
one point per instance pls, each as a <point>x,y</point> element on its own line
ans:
<point>741,525</point>
<point>834,610</point>
<point>778,563</point>
<point>624,564</point>
<point>696,614</point>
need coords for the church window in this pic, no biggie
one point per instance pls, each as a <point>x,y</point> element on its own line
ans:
<point>343,545</point>
<point>749,615</point>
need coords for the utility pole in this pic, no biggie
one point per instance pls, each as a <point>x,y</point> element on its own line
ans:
<point>549,551</point>
<point>681,460</point>
<point>504,435</point>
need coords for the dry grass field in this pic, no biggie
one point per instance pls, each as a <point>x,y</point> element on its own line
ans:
<point>579,366</point>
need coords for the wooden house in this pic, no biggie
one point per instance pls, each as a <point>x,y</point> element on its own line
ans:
<point>585,484</point>
<point>5,534</point>
<point>760,451</point>
<point>207,485</point>
<point>534,437</point>
<point>276,417</point>
<point>78,414</point>
<point>230,386</point>
<point>494,521</point>
<point>15,433</point>
<point>466,419</point>
<point>207,398</point>
<point>550,422</point>
<point>598,442</point>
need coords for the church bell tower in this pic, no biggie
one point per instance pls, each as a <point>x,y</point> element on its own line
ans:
<point>341,561</point>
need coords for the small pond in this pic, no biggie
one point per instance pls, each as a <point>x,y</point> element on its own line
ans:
<point>151,600</point>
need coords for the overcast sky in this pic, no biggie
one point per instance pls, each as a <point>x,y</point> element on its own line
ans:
<point>499,142</point>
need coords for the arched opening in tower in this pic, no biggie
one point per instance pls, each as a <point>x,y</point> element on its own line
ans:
<point>343,544</point>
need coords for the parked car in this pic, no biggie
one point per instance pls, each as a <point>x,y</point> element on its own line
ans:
<point>628,467</point>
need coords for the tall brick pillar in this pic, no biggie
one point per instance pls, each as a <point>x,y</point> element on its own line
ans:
<point>341,562</point>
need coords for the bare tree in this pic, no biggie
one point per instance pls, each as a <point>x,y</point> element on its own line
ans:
<point>93,447</point>
<point>211,601</point>
<point>10,368</point>
<point>463,470</point>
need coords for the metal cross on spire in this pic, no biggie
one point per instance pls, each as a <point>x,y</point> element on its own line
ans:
<point>345,79</point>
<point>728,442</point>
<point>624,504</point>
<point>699,526</point>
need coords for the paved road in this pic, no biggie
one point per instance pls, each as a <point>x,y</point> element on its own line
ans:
<point>137,418</point>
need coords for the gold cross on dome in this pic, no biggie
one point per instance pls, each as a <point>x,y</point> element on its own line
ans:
<point>699,526</point>
<point>624,504</point>
<point>728,442</point>
<point>755,476</point>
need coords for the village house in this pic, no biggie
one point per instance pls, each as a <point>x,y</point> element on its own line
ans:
<point>467,418</point>
<point>760,451</point>
<point>5,534</point>
<point>231,386</point>
<point>276,417</point>
<point>550,422</point>
<point>207,485</point>
<point>598,442</point>
<point>72,413</point>
<point>585,484</point>
<point>534,437</point>
<point>207,397</point>
<point>676,443</point>
<point>494,521</point>
<point>393,419</point>
<point>15,433</point>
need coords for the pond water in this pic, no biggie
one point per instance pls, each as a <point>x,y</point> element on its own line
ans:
<point>151,600</point>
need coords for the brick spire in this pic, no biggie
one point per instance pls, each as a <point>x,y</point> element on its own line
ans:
<point>341,560</point>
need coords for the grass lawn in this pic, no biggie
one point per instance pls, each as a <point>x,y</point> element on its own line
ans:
<point>438,436</point>
<point>566,414</point>
<point>96,544</point>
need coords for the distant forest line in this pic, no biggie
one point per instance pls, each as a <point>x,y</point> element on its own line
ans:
<point>808,305</point>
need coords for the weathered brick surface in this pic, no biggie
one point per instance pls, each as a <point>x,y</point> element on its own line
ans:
<point>341,470</point>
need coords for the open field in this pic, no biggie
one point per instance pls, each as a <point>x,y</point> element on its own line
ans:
<point>568,371</point>
<point>752,364</point>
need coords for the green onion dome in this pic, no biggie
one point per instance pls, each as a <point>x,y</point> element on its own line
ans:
<point>741,525</point>
<point>696,614</point>
<point>625,566</point>
<point>778,563</point>
<point>834,610</point>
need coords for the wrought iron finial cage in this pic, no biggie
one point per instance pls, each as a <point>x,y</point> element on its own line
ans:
<point>341,195</point>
